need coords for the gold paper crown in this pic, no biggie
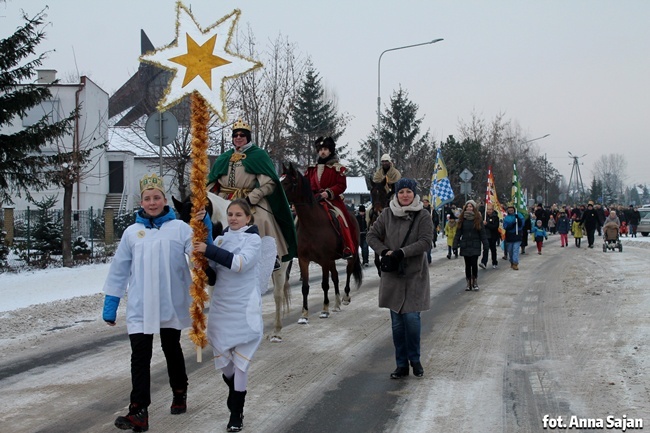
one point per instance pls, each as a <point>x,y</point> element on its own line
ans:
<point>240,124</point>
<point>152,181</point>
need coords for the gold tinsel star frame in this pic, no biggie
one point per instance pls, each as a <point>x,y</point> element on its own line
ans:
<point>201,62</point>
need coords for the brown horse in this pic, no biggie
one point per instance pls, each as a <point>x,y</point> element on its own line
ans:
<point>318,242</point>
<point>379,198</point>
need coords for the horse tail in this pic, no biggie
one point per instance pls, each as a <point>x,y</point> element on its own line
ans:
<point>357,274</point>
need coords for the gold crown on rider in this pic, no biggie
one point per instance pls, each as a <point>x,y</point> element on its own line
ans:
<point>240,124</point>
<point>152,181</point>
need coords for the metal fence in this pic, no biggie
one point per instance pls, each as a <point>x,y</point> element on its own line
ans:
<point>89,224</point>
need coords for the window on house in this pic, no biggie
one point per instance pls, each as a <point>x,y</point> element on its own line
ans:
<point>49,109</point>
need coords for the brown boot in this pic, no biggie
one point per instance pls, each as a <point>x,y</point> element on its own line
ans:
<point>469,285</point>
<point>515,266</point>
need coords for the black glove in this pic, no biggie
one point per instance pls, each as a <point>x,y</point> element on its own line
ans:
<point>248,200</point>
<point>383,253</point>
<point>398,255</point>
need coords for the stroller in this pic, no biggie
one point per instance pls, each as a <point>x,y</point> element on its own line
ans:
<point>611,239</point>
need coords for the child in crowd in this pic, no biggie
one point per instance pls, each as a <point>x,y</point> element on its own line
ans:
<point>576,228</point>
<point>450,232</point>
<point>539,235</point>
<point>563,228</point>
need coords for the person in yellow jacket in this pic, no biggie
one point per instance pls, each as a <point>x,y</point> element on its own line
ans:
<point>576,228</point>
<point>450,232</point>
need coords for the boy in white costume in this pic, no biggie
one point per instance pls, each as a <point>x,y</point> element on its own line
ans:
<point>244,263</point>
<point>151,262</point>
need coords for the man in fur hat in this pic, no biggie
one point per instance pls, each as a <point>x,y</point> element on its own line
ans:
<point>387,174</point>
<point>327,179</point>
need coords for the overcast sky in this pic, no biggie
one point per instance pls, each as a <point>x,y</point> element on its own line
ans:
<point>577,70</point>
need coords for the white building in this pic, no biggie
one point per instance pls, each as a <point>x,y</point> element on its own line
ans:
<point>89,129</point>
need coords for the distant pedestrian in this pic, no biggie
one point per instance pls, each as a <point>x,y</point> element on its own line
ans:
<point>363,231</point>
<point>450,232</point>
<point>513,224</point>
<point>539,234</point>
<point>634,219</point>
<point>491,223</point>
<point>576,229</point>
<point>563,228</point>
<point>590,223</point>
<point>470,236</point>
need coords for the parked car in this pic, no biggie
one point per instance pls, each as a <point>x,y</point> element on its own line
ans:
<point>644,224</point>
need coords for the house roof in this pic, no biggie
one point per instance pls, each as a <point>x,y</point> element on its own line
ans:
<point>356,185</point>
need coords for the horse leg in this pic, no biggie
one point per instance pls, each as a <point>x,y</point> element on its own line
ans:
<point>304,276</point>
<point>281,295</point>
<point>325,284</point>
<point>337,293</point>
<point>348,274</point>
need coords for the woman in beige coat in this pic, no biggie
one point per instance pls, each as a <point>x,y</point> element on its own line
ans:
<point>408,294</point>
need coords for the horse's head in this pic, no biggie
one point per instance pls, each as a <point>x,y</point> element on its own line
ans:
<point>379,198</point>
<point>183,208</point>
<point>295,185</point>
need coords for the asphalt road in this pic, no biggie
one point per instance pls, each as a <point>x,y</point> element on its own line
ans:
<point>567,335</point>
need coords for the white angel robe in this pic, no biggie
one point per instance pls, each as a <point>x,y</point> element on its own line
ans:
<point>235,326</point>
<point>153,264</point>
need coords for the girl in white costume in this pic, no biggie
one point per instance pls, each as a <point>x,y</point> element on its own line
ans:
<point>235,326</point>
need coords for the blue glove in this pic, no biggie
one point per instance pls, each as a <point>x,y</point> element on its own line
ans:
<point>109,314</point>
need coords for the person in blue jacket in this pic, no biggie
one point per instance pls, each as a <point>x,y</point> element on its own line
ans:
<point>539,233</point>
<point>150,263</point>
<point>513,225</point>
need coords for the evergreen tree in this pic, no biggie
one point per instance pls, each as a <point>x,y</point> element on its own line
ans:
<point>48,233</point>
<point>596,191</point>
<point>22,163</point>
<point>313,116</point>
<point>412,152</point>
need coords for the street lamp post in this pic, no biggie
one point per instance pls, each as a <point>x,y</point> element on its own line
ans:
<point>379,91</point>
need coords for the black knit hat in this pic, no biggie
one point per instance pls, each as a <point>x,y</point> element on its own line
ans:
<point>327,142</point>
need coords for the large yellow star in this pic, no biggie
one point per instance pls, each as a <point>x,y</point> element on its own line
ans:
<point>199,60</point>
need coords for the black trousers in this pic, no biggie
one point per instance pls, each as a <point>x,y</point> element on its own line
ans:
<point>590,236</point>
<point>471,266</point>
<point>141,352</point>
<point>493,249</point>
<point>364,248</point>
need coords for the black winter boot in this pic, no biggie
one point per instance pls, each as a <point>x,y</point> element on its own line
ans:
<point>236,422</point>
<point>474,283</point>
<point>137,419</point>
<point>231,388</point>
<point>469,285</point>
<point>179,403</point>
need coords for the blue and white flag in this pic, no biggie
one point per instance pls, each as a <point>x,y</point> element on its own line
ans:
<point>441,192</point>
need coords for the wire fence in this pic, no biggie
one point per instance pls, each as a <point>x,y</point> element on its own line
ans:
<point>32,228</point>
